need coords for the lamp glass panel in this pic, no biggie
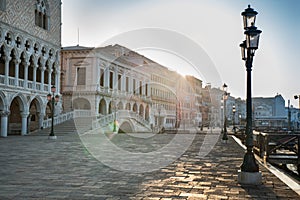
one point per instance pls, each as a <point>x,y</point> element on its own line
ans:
<point>243,53</point>
<point>252,41</point>
<point>53,89</point>
<point>249,20</point>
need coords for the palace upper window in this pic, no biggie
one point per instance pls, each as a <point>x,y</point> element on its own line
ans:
<point>42,14</point>
<point>2,5</point>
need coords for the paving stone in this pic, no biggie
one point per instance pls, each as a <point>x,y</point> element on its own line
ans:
<point>33,167</point>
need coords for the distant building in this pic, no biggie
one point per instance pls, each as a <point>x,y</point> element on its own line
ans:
<point>294,117</point>
<point>195,93</point>
<point>103,84</point>
<point>269,112</point>
<point>30,42</point>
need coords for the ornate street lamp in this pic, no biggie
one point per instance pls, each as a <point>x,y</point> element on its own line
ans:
<point>225,96</point>
<point>53,98</point>
<point>249,173</point>
<point>297,97</point>
<point>233,118</point>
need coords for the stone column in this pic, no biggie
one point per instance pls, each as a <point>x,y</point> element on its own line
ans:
<point>97,75</point>
<point>115,79</point>
<point>4,123</point>
<point>123,83</point>
<point>34,76</point>
<point>24,123</point>
<point>49,80</point>
<point>42,77</point>
<point>143,88</point>
<point>7,59</point>
<point>41,119</point>
<point>130,91</point>
<point>57,78</point>
<point>17,61</point>
<point>26,64</point>
<point>106,78</point>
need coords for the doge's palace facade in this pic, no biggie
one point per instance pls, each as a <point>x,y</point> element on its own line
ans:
<point>30,42</point>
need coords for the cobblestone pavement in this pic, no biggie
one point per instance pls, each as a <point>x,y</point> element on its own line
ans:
<point>33,167</point>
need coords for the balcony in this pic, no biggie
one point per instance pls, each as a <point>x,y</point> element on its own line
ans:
<point>20,84</point>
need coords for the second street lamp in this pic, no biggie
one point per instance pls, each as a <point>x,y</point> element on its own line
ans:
<point>233,118</point>
<point>225,96</point>
<point>249,173</point>
<point>297,97</point>
<point>53,100</point>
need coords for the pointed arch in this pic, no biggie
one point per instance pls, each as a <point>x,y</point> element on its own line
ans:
<point>102,107</point>
<point>3,101</point>
<point>35,109</point>
<point>17,108</point>
<point>141,110</point>
<point>120,106</point>
<point>2,60</point>
<point>147,113</point>
<point>128,106</point>
<point>134,107</point>
<point>81,104</point>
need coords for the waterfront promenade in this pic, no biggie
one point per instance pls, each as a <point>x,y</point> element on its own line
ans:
<point>33,167</point>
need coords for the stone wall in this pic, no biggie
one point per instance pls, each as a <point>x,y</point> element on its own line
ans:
<point>20,14</point>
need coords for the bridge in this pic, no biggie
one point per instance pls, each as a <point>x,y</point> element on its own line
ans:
<point>84,120</point>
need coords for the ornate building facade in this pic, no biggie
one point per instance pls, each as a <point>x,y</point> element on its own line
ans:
<point>30,42</point>
<point>102,83</point>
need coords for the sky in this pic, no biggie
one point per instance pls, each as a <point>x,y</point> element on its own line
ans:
<point>197,37</point>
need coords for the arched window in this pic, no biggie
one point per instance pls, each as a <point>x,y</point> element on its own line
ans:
<point>42,15</point>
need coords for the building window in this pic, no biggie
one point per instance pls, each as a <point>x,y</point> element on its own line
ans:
<point>81,73</point>
<point>141,88</point>
<point>127,84</point>
<point>119,81</point>
<point>2,5</point>
<point>102,77</point>
<point>146,89</point>
<point>133,81</point>
<point>42,15</point>
<point>111,82</point>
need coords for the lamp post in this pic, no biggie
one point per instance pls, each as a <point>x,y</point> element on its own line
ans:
<point>53,98</point>
<point>289,118</point>
<point>158,120</point>
<point>225,96</point>
<point>249,173</point>
<point>115,117</point>
<point>233,118</point>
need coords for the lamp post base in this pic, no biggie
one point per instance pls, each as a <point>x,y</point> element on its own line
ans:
<point>249,178</point>
<point>52,137</point>
<point>224,141</point>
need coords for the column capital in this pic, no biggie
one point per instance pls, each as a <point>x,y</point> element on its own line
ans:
<point>4,113</point>
<point>25,114</point>
<point>6,58</point>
